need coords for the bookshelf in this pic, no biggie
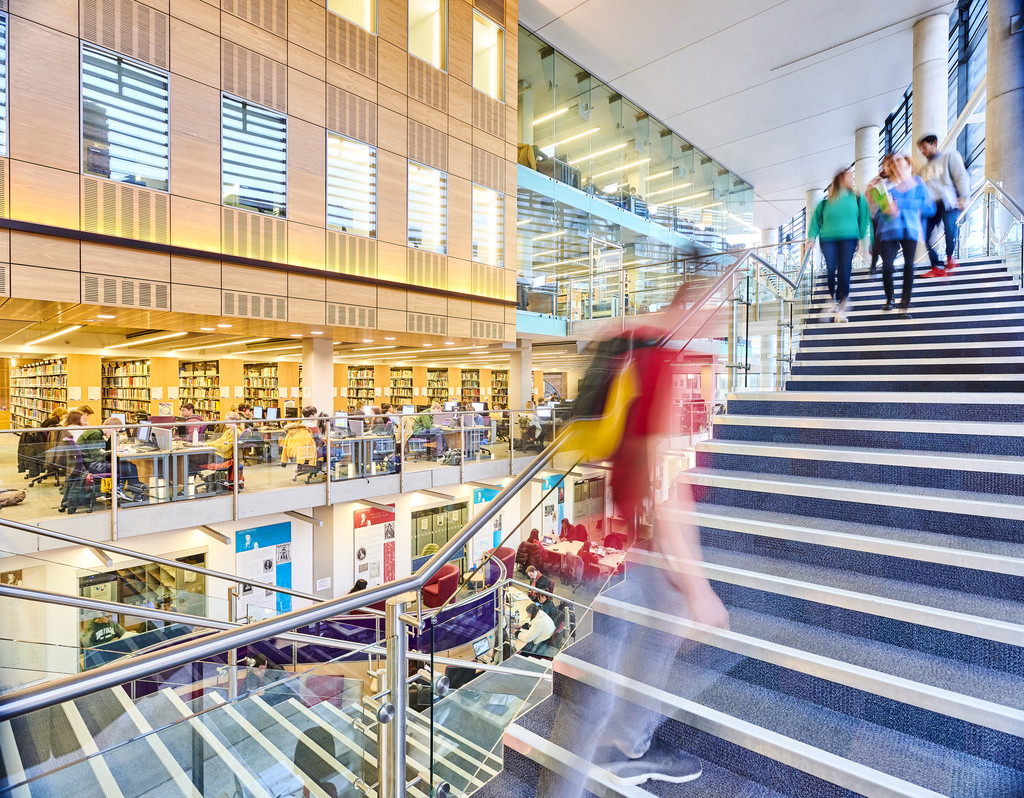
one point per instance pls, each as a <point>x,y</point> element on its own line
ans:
<point>36,388</point>
<point>260,384</point>
<point>360,385</point>
<point>437,385</point>
<point>471,390</point>
<point>499,387</point>
<point>125,388</point>
<point>401,386</point>
<point>199,383</point>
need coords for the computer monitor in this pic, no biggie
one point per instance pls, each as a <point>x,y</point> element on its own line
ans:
<point>443,419</point>
<point>356,425</point>
<point>271,414</point>
<point>543,412</point>
<point>162,436</point>
<point>481,647</point>
<point>119,417</point>
<point>478,407</point>
<point>408,410</point>
<point>257,414</point>
<point>451,406</point>
<point>552,404</point>
<point>341,419</point>
<point>144,432</point>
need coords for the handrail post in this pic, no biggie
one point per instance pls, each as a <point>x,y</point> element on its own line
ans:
<point>114,482</point>
<point>237,468</point>
<point>499,635</point>
<point>391,762</point>
<point>327,463</point>
<point>232,652</point>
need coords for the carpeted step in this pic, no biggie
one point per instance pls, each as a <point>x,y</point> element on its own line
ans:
<point>1007,408</point>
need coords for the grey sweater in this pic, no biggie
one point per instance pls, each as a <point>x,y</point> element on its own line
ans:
<point>947,178</point>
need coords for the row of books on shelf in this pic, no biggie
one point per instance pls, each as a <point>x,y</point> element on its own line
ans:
<point>45,367</point>
<point>261,383</point>
<point>135,368</point>
<point>199,382</point>
<point>254,372</point>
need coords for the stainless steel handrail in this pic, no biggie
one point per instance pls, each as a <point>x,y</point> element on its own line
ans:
<point>116,673</point>
<point>107,547</point>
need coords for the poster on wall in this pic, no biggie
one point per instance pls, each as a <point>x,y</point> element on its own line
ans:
<point>483,541</point>
<point>554,506</point>
<point>375,544</point>
<point>264,554</point>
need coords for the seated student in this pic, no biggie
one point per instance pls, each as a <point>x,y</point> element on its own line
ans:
<point>530,552</point>
<point>224,446</point>
<point>530,427</point>
<point>195,425</point>
<point>99,630</point>
<point>299,444</point>
<point>548,605</point>
<point>95,444</point>
<point>536,632</point>
<point>423,427</point>
<point>380,424</point>
<point>261,678</point>
<point>539,581</point>
<point>591,562</point>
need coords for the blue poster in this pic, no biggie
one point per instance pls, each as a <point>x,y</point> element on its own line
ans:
<point>482,496</point>
<point>264,554</point>
<point>554,505</point>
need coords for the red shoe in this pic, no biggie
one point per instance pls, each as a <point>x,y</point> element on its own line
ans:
<point>935,271</point>
<point>950,264</point>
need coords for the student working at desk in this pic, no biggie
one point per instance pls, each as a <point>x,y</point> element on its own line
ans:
<point>423,426</point>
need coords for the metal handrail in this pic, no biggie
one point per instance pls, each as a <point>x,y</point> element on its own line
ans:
<point>112,549</point>
<point>108,676</point>
<point>973,102</point>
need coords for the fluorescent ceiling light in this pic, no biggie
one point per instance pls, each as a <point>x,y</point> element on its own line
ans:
<point>66,330</point>
<point>548,235</point>
<point>275,349</point>
<point>563,142</point>
<point>585,158</point>
<point>545,252</point>
<point>742,221</point>
<point>620,168</point>
<point>367,349</point>
<point>229,343</point>
<point>540,120</point>
<point>666,190</point>
<point>143,341</point>
<point>666,173</point>
<point>686,198</point>
<point>521,222</point>
<point>224,326</point>
<point>105,316</point>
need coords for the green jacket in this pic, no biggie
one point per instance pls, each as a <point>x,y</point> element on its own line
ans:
<point>92,443</point>
<point>423,422</point>
<point>846,216</point>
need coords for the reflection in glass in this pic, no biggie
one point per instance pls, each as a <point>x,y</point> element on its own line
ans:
<point>428,209</point>
<point>351,186</point>
<point>488,226</point>
<point>125,120</point>
<point>488,57</point>
<point>362,12</point>
<point>428,31</point>
<point>254,157</point>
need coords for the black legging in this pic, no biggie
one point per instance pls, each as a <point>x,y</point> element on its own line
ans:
<point>889,249</point>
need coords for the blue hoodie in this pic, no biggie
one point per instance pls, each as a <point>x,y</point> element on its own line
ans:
<point>913,204</point>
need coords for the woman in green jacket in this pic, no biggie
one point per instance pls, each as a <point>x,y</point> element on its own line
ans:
<point>841,220</point>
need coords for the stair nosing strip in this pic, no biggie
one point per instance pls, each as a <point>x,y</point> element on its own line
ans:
<point>828,767</point>
<point>1009,429</point>
<point>886,547</point>
<point>875,397</point>
<point>894,609</point>
<point>14,769</point>
<point>943,377</point>
<point>95,761</point>
<point>915,361</point>
<point>969,709</point>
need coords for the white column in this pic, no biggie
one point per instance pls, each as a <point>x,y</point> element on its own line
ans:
<point>318,374</point>
<point>811,200</point>
<point>769,236</point>
<point>520,375</point>
<point>865,155</point>
<point>1004,108</point>
<point>931,79</point>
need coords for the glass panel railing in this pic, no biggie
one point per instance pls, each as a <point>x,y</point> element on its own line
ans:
<point>290,731</point>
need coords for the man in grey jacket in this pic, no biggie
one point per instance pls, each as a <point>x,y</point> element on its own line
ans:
<point>950,185</point>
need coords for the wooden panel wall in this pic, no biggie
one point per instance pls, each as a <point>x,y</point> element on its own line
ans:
<point>293,56</point>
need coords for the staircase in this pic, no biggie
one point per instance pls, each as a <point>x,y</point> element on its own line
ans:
<point>865,529</point>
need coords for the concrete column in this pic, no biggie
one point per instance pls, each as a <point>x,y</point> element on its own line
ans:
<point>931,79</point>
<point>865,155</point>
<point>318,374</point>
<point>770,236</point>
<point>323,554</point>
<point>1004,109</point>
<point>811,200</point>
<point>520,375</point>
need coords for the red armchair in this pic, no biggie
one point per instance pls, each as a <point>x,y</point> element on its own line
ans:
<point>442,587</point>
<point>508,558</point>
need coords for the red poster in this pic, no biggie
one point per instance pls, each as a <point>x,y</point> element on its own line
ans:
<point>374,545</point>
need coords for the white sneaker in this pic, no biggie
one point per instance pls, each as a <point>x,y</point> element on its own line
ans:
<point>845,306</point>
<point>840,317</point>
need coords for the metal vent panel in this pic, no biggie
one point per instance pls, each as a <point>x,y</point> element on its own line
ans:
<point>351,316</point>
<point>488,114</point>
<point>351,115</point>
<point>271,15</point>
<point>254,235</point>
<point>351,254</point>
<point>488,170</point>
<point>351,46</point>
<point>254,306</point>
<point>427,269</point>
<point>428,146</point>
<point>426,323</point>
<point>4,188</point>
<point>488,329</point>
<point>109,290</point>
<point>5,279</point>
<point>127,27</point>
<point>427,84</point>
<point>254,77</point>
<point>117,209</point>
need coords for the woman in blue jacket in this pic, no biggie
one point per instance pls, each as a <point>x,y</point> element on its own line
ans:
<point>899,227</point>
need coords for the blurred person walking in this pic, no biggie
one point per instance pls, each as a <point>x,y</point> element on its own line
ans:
<point>840,221</point>
<point>946,177</point>
<point>907,201</point>
<point>638,412</point>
